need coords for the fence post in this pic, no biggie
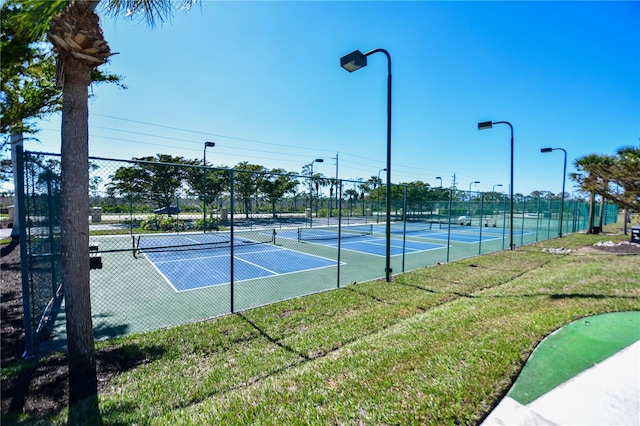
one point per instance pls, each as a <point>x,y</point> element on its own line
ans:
<point>24,268</point>
<point>449,223</point>
<point>54,284</point>
<point>231,272</point>
<point>404,224</point>
<point>339,207</point>
<point>550,216</point>
<point>538,218</point>
<point>524,207</point>
<point>504,221</point>
<point>481,224</point>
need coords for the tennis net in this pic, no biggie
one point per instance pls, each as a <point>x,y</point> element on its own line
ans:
<point>333,232</point>
<point>155,243</point>
<point>414,227</point>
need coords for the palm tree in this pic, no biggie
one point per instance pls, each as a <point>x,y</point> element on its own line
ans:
<point>603,170</point>
<point>587,178</point>
<point>73,27</point>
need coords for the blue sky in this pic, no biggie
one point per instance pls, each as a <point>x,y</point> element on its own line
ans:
<point>262,80</point>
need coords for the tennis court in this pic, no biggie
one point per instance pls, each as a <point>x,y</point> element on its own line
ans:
<point>459,234</point>
<point>357,238</point>
<point>208,258</point>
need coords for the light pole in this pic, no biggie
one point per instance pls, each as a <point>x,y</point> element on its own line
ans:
<point>493,188</point>
<point>564,175</point>
<point>336,185</point>
<point>471,183</point>
<point>352,62</point>
<point>487,125</point>
<point>438,177</point>
<point>378,194</point>
<point>317,160</point>
<point>204,182</point>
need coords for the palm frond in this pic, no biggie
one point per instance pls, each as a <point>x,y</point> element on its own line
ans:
<point>34,16</point>
<point>150,11</point>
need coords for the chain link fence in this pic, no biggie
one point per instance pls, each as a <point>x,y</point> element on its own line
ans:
<point>175,243</point>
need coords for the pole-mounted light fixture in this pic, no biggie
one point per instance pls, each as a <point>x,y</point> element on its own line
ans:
<point>471,183</point>
<point>564,176</point>
<point>353,62</point>
<point>488,125</point>
<point>485,125</point>
<point>204,182</point>
<point>379,180</point>
<point>317,160</point>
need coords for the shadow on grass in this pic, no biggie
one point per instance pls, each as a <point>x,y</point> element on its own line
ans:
<point>42,386</point>
<point>273,340</point>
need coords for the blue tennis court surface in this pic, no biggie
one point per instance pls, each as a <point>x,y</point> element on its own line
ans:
<point>458,234</point>
<point>208,260</point>
<point>357,239</point>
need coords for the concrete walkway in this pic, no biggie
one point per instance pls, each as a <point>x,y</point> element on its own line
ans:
<point>586,373</point>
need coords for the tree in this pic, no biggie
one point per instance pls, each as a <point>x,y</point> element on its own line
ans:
<point>29,91</point>
<point>351,195</point>
<point>248,180</point>
<point>603,170</point>
<point>153,178</point>
<point>276,184</point>
<point>217,182</point>
<point>622,171</point>
<point>28,76</point>
<point>618,179</point>
<point>588,181</point>
<point>625,173</point>
<point>73,27</point>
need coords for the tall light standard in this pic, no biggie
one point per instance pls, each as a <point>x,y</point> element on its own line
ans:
<point>378,194</point>
<point>493,188</point>
<point>471,183</point>
<point>564,175</point>
<point>317,160</point>
<point>352,62</point>
<point>204,182</point>
<point>336,185</point>
<point>438,177</point>
<point>487,125</point>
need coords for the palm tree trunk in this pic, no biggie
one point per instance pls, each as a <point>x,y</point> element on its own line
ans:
<point>601,218</point>
<point>75,231</point>
<point>592,211</point>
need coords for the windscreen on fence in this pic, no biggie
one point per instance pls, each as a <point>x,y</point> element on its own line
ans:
<point>173,243</point>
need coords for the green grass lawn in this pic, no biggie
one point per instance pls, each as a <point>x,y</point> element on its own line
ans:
<point>440,345</point>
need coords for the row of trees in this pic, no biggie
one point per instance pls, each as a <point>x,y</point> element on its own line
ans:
<point>614,178</point>
<point>161,178</point>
